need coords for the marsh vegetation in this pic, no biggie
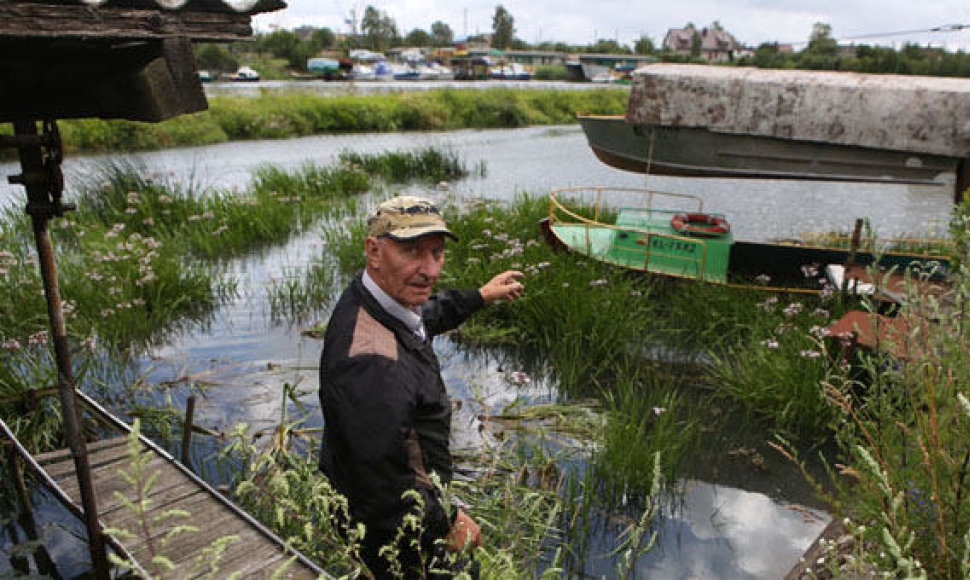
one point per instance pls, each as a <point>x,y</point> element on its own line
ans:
<point>645,369</point>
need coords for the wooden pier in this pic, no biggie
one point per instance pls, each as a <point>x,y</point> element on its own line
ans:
<point>255,551</point>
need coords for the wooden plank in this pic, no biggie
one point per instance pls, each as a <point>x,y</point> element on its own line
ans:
<point>266,568</point>
<point>32,20</point>
<point>185,547</point>
<point>104,474</point>
<point>65,454</point>
<point>190,504</point>
<point>250,550</point>
<point>114,458</point>
<point>273,570</point>
<point>118,515</point>
<point>253,554</point>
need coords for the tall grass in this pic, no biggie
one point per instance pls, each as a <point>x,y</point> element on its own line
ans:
<point>904,431</point>
<point>139,259</point>
<point>774,362</point>
<point>429,165</point>
<point>281,116</point>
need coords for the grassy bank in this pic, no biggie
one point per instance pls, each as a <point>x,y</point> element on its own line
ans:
<point>283,116</point>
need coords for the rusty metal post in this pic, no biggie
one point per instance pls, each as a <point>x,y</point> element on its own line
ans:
<point>43,203</point>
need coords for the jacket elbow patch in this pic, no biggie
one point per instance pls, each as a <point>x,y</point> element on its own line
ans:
<point>372,338</point>
<point>416,460</point>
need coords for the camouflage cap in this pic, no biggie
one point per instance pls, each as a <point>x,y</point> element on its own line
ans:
<point>405,218</point>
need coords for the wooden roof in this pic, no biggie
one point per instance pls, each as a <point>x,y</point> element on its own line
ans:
<point>127,59</point>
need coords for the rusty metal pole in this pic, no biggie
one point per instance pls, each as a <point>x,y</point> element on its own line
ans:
<point>43,203</point>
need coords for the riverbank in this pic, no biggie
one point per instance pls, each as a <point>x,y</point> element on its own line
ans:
<point>280,115</point>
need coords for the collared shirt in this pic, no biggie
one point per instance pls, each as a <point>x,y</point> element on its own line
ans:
<point>410,318</point>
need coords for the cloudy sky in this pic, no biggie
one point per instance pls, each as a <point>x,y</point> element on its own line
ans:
<point>584,21</point>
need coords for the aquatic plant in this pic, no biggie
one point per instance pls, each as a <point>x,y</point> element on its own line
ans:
<point>430,165</point>
<point>773,362</point>
<point>138,261</point>
<point>902,425</point>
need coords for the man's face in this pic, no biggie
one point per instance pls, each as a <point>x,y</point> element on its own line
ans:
<point>406,270</point>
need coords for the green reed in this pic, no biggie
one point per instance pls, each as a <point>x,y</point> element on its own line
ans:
<point>429,165</point>
<point>139,259</point>
<point>774,361</point>
<point>576,310</point>
<point>272,116</point>
<point>298,295</point>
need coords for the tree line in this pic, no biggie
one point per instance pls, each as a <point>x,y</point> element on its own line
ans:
<point>379,32</point>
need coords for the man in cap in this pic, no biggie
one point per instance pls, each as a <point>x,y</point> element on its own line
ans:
<point>387,413</point>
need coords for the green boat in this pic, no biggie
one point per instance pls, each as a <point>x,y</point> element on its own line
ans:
<point>670,234</point>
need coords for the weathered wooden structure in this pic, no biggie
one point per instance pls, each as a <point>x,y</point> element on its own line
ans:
<point>255,552</point>
<point>109,59</point>
<point>112,60</point>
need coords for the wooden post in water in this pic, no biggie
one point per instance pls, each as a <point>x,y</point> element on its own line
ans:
<point>854,242</point>
<point>187,431</point>
<point>41,176</point>
<point>45,565</point>
<point>963,180</point>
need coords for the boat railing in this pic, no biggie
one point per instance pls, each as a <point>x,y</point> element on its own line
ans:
<point>559,213</point>
<point>645,197</point>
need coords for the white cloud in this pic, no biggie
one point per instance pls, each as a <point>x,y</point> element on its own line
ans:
<point>582,22</point>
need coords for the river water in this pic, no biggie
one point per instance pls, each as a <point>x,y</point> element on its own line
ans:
<point>732,520</point>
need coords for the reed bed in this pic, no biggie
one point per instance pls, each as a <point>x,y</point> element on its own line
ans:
<point>140,261</point>
<point>283,116</point>
<point>633,343</point>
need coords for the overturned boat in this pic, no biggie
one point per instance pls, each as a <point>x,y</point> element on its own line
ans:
<point>698,120</point>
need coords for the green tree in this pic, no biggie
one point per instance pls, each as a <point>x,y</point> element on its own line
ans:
<point>644,45</point>
<point>324,38</point>
<point>822,50</point>
<point>696,42</point>
<point>380,31</point>
<point>417,37</point>
<point>605,46</point>
<point>821,41</point>
<point>769,55</point>
<point>289,46</point>
<point>441,34</point>
<point>215,58</point>
<point>503,28</point>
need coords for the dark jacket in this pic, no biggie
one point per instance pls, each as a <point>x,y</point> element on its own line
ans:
<point>387,415</point>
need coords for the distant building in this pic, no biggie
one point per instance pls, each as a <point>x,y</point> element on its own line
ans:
<point>716,44</point>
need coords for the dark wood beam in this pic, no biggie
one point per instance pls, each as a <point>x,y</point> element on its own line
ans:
<point>61,21</point>
<point>149,80</point>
